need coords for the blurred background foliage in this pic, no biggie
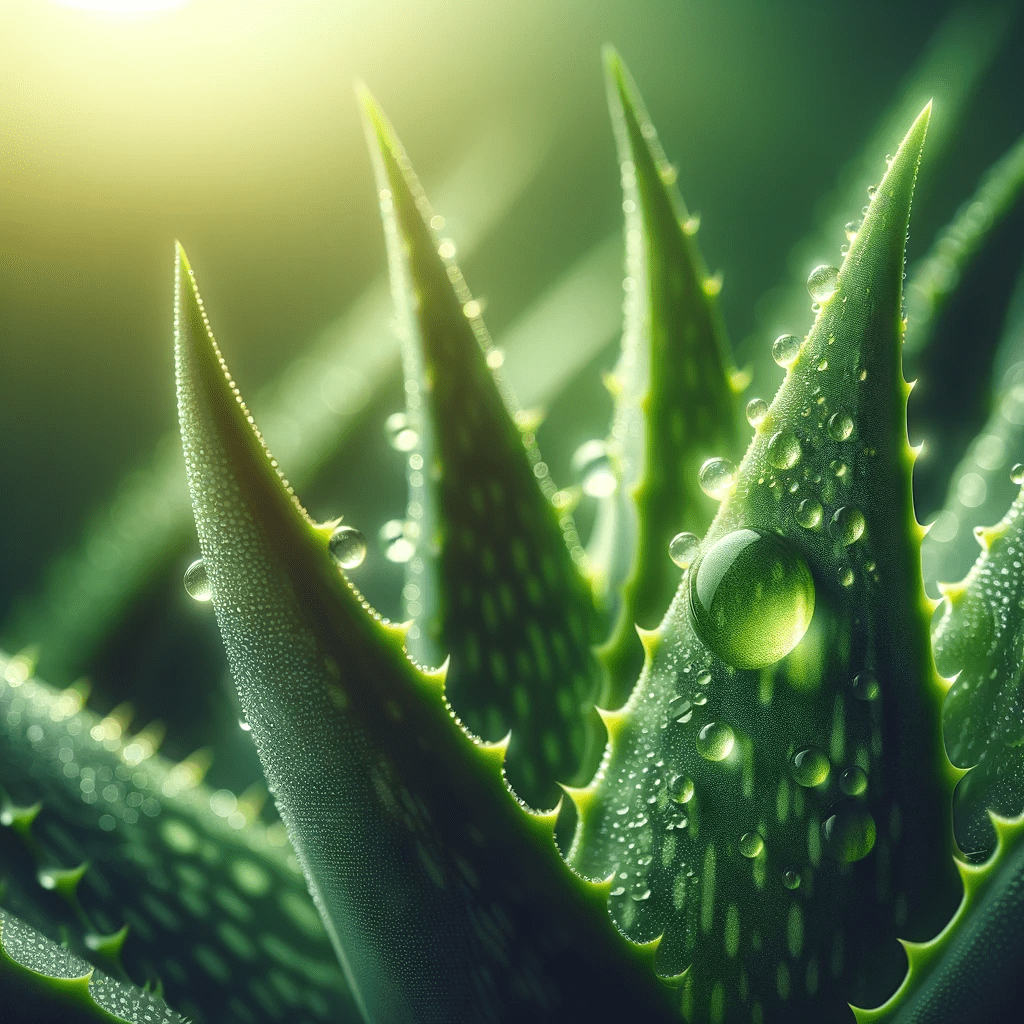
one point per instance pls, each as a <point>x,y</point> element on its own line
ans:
<point>232,126</point>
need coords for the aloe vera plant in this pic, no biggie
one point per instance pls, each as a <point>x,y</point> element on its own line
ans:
<point>782,810</point>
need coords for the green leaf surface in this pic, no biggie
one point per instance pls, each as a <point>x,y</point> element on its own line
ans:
<point>778,819</point>
<point>675,401</point>
<point>446,901</point>
<point>497,588</point>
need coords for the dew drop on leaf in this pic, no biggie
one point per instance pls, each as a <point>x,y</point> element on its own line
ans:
<point>717,478</point>
<point>791,879</point>
<point>593,468</point>
<point>784,450</point>
<point>197,582</point>
<point>400,433</point>
<point>348,546</point>
<point>810,766</point>
<point>853,781</point>
<point>683,548</point>
<point>785,349</point>
<point>865,685</point>
<point>849,833</point>
<point>1017,473</point>
<point>715,741</point>
<point>682,789</point>
<point>822,282</point>
<point>751,598</point>
<point>757,409</point>
<point>847,524</point>
<point>751,845</point>
<point>808,513</point>
<point>840,426</point>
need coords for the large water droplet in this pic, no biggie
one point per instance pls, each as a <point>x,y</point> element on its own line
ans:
<point>717,478</point>
<point>785,349</point>
<point>715,741</point>
<point>853,781</point>
<point>822,282</point>
<point>399,432</point>
<point>751,598</point>
<point>197,582</point>
<point>682,789</point>
<point>847,524</point>
<point>850,832</point>
<point>808,513</point>
<point>810,766</point>
<point>683,548</point>
<point>593,468</point>
<point>348,546</point>
<point>751,844</point>
<point>840,426</point>
<point>757,409</point>
<point>784,450</point>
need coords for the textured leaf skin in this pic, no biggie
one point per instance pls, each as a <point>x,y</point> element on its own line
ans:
<point>754,947</point>
<point>78,790</point>
<point>432,881</point>
<point>500,592</point>
<point>676,405</point>
<point>979,639</point>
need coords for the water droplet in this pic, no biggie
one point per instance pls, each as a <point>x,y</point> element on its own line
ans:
<point>808,513</point>
<point>839,469</point>
<point>751,844</point>
<point>846,576</point>
<point>348,546</point>
<point>849,833</point>
<point>785,349</point>
<point>847,524</point>
<point>715,741</point>
<point>683,548</point>
<point>1017,473</point>
<point>822,282</point>
<point>791,879</point>
<point>197,582</point>
<point>593,468</point>
<point>852,227</point>
<point>751,598</point>
<point>717,478</point>
<point>840,426</point>
<point>641,893</point>
<point>853,781</point>
<point>757,409</point>
<point>397,538</point>
<point>400,433</point>
<point>682,789</point>
<point>619,890</point>
<point>784,450</point>
<point>810,766</point>
<point>865,685</point>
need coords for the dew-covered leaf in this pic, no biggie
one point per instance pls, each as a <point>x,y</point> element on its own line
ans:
<point>676,402</point>
<point>774,795</point>
<point>445,899</point>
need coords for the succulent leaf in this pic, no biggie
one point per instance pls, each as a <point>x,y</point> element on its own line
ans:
<point>763,812</point>
<point>497,584</point>
<point>675,386</point>
<point>402,821</point>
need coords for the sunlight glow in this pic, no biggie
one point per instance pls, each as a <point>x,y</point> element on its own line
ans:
<point>122,6</point>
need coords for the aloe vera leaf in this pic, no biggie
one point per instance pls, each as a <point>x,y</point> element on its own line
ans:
<point>968,971</point>
<point>953,63</point>
<point>308,413</point>
<point>779,825</point>
<point>934,278</point>
<point>497,588</point>
<point>43,983</point>
<point>979,639</point>
<point>675,400</point>
<point>188,870</point>
<point>445,899</point>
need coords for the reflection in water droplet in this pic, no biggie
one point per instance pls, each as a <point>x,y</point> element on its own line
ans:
<point>715,741</point>
<point>683,548</point>
<point>751,598</point>
<point>682,789</point>
<point>757,409</point>
<point>593,468</point>
<point>751,844</point>
<point>348,546</point>
<point>847,524</point>
<point>822,282</point>
<point>785,349</point>
<point>840,426</point>
<point>197,582</point>
<point>853,781</point>
<point>791,879</point>
<point>865,685</point>
<point>717,478</point>
<point>849,833</point>
<point>810,766</point>
<point>400,433</point>
<point>784,450</point>
<point>1017,473</point>
<point>808,513</point>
